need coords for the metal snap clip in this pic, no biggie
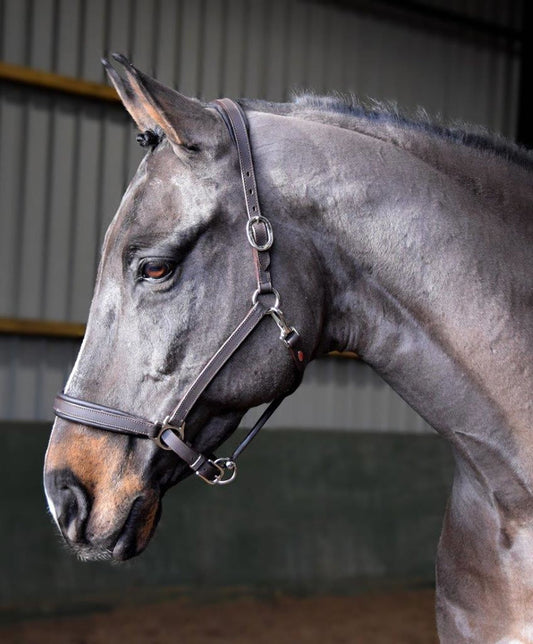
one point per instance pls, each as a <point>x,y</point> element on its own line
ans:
<point>227,465</point>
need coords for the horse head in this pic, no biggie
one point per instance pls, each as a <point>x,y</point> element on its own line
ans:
<point>176,276</point>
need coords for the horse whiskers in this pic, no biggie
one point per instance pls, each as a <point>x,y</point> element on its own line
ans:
<point>86,553</point>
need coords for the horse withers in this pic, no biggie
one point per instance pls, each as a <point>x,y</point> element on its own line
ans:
<point>405,241</point>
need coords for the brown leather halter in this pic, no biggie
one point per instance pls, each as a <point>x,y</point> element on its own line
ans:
<point>170,433</point>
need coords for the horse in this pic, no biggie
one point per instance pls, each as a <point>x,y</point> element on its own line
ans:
<point>401,239</point>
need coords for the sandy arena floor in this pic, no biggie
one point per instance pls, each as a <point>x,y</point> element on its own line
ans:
<point>394,618</point>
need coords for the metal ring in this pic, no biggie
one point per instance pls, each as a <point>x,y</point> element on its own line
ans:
<point>228,466</point>
<point>158,440</point>
<point>273,292</point>
<point>251,236</point>
<point>180,431</point>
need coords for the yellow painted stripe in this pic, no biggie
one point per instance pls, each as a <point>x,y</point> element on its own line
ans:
<point>65,84</point>
<point>42,328</point>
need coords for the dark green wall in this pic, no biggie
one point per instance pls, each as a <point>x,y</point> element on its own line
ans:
<point>310,512</point>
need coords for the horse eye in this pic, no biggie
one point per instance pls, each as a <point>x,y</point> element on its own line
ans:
<point>156,270</point>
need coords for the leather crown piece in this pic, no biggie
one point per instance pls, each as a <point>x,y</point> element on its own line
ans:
<point>170,433</point>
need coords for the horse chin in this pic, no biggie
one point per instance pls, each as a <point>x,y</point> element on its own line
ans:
<point>137,530</point>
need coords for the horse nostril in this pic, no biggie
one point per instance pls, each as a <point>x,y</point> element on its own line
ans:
<point>69,503</point>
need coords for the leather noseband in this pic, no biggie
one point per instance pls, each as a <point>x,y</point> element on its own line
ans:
<point>170,433</point>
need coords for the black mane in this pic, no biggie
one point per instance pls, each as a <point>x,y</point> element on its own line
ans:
<point>473,136</point>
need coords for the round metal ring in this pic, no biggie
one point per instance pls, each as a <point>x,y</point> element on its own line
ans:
<point>228,466</point>
<point>159,441</point>
<point>251,235</point>
<point>274,292</point>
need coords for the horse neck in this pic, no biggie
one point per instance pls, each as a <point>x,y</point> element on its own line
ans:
<point>424,284</point>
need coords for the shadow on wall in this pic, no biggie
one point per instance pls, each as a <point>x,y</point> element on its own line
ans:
<point>311,512</point>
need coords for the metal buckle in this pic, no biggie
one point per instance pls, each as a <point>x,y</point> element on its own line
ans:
<point>180,431</point>
<point>251,234</point>
<point>223,465</point>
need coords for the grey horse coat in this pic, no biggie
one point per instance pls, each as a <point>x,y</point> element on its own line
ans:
<point>406,242</point>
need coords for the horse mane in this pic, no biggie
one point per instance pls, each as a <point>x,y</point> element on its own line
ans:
<point>388,113</point>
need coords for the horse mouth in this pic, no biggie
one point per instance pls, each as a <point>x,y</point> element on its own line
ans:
<point>128,541</point>
<point>137,530</point>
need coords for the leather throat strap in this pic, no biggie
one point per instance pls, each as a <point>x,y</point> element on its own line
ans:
<point>170,433</point>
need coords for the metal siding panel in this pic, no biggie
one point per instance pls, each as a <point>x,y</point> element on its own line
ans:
<point>142,44</point>
<point>276,51</point>
<point>335,50</point>
<point>190,42</point>
<point>498,70</point>
<point>430,82</point>
<point>25,379</point>
<point>465,80</point>
<point>297,35</point>
<point>213,51</point>
<point>12,162</point>
<point>316,73</point>
<point>166,53</point>
<point>32,371</point>
<point>255,58</point>
<point>85,226</point>
<point>95,39</point>
<point>43,34</point>
<point>118,27</point>
<point>57,360</point>
<point>34,204</point>
<point>15,34</point>
<point>8,352</point>
<point>116,129</point>
<point>69,22</point>
<point>512,99</point>
<point>57,282</point>
<point>6,381</point>
<point>234,52</point>
<point>366,38</point>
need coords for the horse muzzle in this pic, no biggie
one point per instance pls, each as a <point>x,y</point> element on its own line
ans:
<point>99,497</point>
<point>100,533</point>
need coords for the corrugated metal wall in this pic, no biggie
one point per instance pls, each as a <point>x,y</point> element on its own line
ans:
<point>65,161</point>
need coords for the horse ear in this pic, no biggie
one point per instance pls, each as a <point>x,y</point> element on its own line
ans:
<point>185,121</point>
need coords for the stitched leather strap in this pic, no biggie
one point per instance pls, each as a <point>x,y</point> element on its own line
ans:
<point>259,227</point>
<point>95,415</point>
<point>170,433</point>
<point>219,359</point>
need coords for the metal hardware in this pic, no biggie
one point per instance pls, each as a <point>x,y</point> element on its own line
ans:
<point>229,466</point>
<point>258,293</point>
<point>217,478</point>
<point>251,234</point>
<point>285,329</point>
<point>180,431</point>
<point>223,465</point>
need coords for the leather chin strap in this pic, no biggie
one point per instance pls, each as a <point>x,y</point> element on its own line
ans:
<point>170,433</point>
